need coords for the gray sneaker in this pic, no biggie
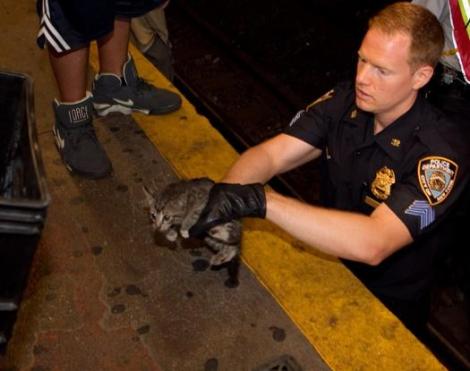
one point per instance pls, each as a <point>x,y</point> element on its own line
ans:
<point>131,93</point>
<point>76,139</point>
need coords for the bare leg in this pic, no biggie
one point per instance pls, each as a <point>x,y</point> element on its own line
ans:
<point>70,71</point>
<point>113,48</point>
<point>73,128</point>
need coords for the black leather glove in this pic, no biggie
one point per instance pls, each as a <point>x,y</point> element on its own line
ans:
<point>228,202</point>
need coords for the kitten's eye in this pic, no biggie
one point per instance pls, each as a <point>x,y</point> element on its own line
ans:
<point>153,216</point>
<point>166,218</point>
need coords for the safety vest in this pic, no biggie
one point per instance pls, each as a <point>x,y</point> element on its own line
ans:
<point>460,17</point>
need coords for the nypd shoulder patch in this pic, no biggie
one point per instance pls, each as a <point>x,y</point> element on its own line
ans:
<point>436,176</point>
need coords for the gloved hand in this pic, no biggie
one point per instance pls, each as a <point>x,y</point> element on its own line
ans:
<point>228,202</point>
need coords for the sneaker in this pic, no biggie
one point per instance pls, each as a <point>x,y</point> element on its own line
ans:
<point>76,139</point>
<point>131,93</point>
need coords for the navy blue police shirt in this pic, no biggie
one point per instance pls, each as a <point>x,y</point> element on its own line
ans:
<point>415,165</point>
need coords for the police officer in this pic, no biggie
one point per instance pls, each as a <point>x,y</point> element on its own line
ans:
<point>394,165</point>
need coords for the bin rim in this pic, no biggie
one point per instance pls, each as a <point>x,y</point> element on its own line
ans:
<point>44,197</point>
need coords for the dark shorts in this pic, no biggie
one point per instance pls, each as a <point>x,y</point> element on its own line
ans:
<point>71,24</point>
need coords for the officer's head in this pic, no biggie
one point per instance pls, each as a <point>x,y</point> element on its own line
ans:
<point>425,31</point>
<point>396,58</point>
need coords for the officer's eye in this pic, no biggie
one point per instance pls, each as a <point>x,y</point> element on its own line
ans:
<point>383,71</point>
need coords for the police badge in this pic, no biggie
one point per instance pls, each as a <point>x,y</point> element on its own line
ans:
<point>436,177</point>
<point>381,187</point>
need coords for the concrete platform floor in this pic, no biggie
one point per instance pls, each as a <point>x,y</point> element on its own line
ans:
<point>104,294</point>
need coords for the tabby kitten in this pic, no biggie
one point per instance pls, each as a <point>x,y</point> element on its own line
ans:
<point>175,210</point>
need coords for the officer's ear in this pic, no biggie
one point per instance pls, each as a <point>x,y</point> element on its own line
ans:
<point>421,76</point>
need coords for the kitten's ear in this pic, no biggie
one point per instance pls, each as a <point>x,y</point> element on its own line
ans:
<point>148,196</point>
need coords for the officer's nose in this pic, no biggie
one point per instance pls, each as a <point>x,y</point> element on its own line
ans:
<point>362,73</point>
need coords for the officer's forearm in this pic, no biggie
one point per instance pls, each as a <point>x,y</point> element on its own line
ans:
<point>272,157</point>
<point>353,236</point>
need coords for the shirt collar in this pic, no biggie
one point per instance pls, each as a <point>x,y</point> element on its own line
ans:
<point>394,138</point>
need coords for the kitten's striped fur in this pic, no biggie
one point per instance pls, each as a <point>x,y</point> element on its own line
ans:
<point>175,210</point>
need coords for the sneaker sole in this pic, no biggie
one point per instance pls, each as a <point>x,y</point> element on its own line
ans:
<point>165,110</point>
<point>105,109</point>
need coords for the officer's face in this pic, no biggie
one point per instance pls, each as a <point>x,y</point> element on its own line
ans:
<point>384,82</point>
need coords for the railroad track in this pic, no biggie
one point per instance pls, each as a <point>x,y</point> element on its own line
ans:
<point>246,104</point>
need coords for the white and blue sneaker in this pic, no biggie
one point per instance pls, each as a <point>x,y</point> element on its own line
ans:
<point>76,139</point>
<point>130,93</point>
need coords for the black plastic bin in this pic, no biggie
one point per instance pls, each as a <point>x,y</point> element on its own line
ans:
<point>23,194</point>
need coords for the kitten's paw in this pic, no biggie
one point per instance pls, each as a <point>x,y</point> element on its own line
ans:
<point>184,233</point>
<point>172,236</point>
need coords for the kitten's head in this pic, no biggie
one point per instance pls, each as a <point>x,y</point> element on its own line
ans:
<point>161,220</point>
